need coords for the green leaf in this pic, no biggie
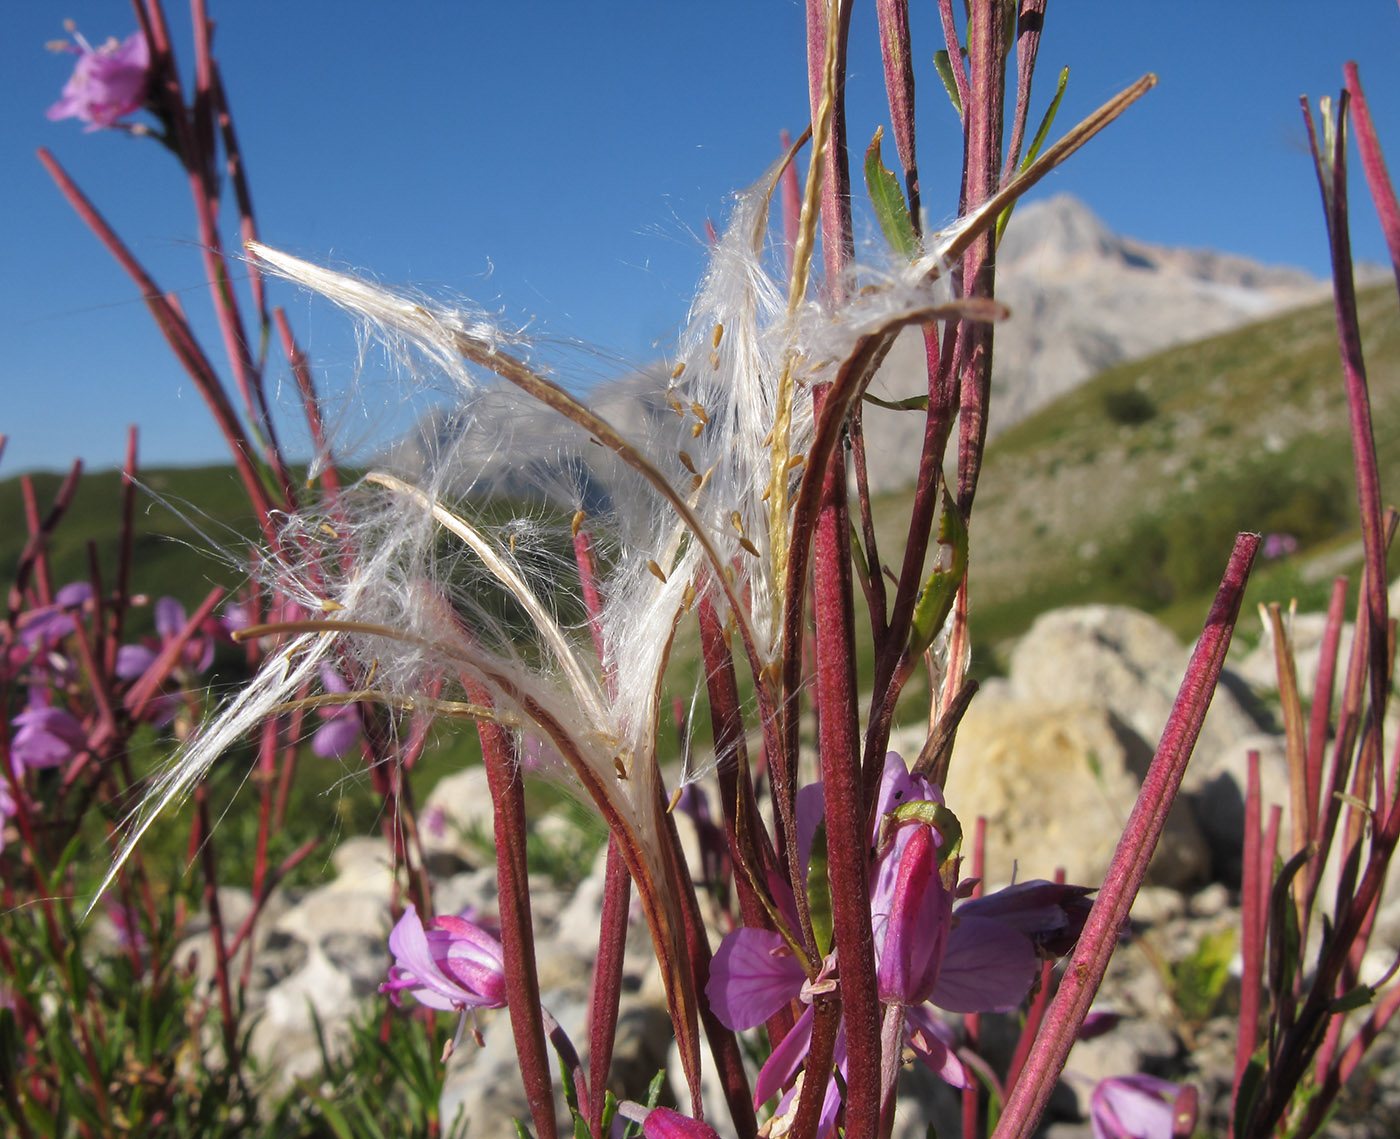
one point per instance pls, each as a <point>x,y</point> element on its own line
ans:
<point>936,600</point>
<point>945,72</point>
<point>1248,1091</point>
<point>1358,997</point>
<point>1037,142</point>
<point>570,1092</point>
<point>913,403</point>
<point>891,210</point>
<point>521,1131</point>
<point>819,891</point>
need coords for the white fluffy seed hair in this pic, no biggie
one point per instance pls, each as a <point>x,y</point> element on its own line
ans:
<point>460,591</point>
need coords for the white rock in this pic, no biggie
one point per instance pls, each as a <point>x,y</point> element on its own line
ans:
<point>1056,783</point>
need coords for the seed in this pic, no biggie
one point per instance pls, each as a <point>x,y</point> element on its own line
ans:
<point>794,462</point>
<point>577,523</point>
<point>677,370</point>
<point>656,569</point>
<point>695,429</point>
<point>699,412</point>
<point>675,799</point>
<point>737,521</point>
<point>688,463</point>
<point>749,546</point>
<point>714,361</point>
<point>717,335</point>
<point>329,606</point>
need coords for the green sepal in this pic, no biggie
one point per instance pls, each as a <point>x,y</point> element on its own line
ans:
<point>891,210</point>
<point>658,1082</point>
<point>929,813</point>
<point>609,1111</point>
<point>936,599</point>
<point>944,68</point>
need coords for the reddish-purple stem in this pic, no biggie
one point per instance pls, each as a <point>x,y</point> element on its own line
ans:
<point>607,981</point>
<point>181,340</point>
<point>1363,440</point>
<point>1253,914</point>
<point>972,1022</point>
<point>1089,961</point>
<point>1029,22</point>
<point>837,242</point>
<point>1373,164</point>
<point>216,926</point>
<point>956,63</point>
<point>983,116</point>
<point>517,934</point>
<point>897,54</point>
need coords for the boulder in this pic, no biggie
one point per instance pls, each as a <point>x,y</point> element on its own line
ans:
<point>1124,661</point>
<point>1056,783</point>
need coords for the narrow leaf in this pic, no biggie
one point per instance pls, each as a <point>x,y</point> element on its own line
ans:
<point>944,68</point>
<point>1041,133</point>
<point>891,210</point>
<point>936,600</point>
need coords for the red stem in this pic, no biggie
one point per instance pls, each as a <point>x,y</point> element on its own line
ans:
<point>181,340</point>
<point>1087,966</point>
<point>983,116</point>
<point>1252,918</point>
<point>517,934</point>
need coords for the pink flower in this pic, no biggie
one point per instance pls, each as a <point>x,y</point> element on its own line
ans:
<point>44,627</point>
<point>453,964</point>
<point>341,729</point>
<point>663,1123</point>
<point>981,956</point>
<point>45,737</point>
<point>1134,1107</point>
<point>107,83</point>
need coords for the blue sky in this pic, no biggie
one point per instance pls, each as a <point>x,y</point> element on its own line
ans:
<point>558,161</point>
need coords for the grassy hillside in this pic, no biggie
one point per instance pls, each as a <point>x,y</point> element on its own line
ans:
<point>1132,487</point>
<point>193,529</point>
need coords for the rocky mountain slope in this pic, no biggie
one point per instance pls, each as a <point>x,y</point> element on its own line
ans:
<point>1082,300</point>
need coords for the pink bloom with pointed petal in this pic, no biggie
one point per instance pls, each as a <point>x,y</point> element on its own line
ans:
<point>663,1123</point>
<point>1133,1107</point>
<point>107,83</point>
